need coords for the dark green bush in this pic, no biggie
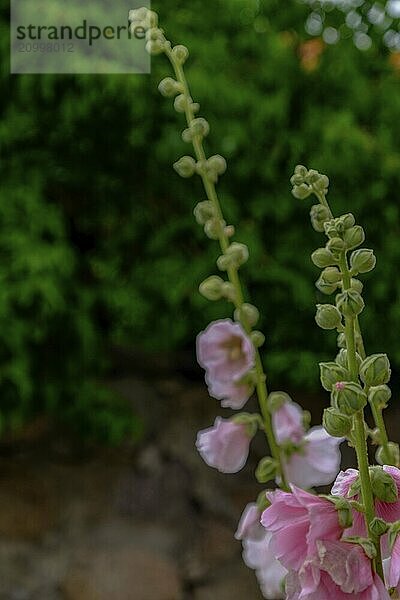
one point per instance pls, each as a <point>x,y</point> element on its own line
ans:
<point>97,238</point>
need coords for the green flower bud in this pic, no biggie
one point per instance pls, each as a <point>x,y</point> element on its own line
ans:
<point>336,423</point>
<point>187,135</point>
<point>341,340</point>
<point>213,230</point>
<point>348,397</point>
<point>379,396</point>
<point>343,506</point>
<point>217,164</point>
<point>362,261</point>
<point>211,288</point>
<point>267,470</point>
<point>247,314</point>
<point>323,258</point>
<point>331,275</point>
<point>301,170</point>
<point>181,103</point>
<point>276,400</point>
<point>347,221</point>
<point>155,47</point>
<point>389,455</point>
<point>350,303</point>
<point>258,338</point>
<point>203,212</point>
<point>325,286</point>
<point>180,54</point>
<point>378,527</point>
<point>200,127</point>
<point>357,285</point>
<point>185,166</point>
<point>375,370</point>
<point>169,87</point>
<point>330,374</point>
<point>383,485</point>
<point>229,231</point>
<point>330,228</point>
<point>319,214</point>
<point>341,358</point>
<point>312,176</point>
<point>229,291</point>
<point>328,316</point>
<point>301,192</point>
<point>354,237</point>
<point>322,183</point>
<point>238,254</point>
<point>336,246</point>
<point>296,180</point>
<point>154,33</point>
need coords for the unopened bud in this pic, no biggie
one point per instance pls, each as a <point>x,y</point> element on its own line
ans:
<point>375,370</point>
<point>336,423</point>
<point>330,374</point>
<point>388,455</point>
<point>276,400</point>
<point>378,527</point>
<point>322,183</point>
<point>155,47</point>
<point>347,221</point>
<point>354,237</point>
<point>344,509</point>
<point>237,253</point>
<point>324,286</point>
<point>348,397</point>
<point>180,103</point>
<point>258,338</point>
<point>379,396</point>
<point>341,340</point>
<point>213,229</point>
<point>217,164</point>
<point>362,261</point>
<point>203,212</point>
<point>185,166</point>
<point>180,54</point>
<point>323,258</point>
<point>336,245</point>
<point>301,170</point>
<point>211,288</point>
<point>328,316</point>
<point>267,470</point>
<point>342,358</point>
<point>383,485</point>
<point>319,214</point>
<point>312,176</point>
<point>357,285</point>
<point>229,291</point>
<point>200,127</point>
<point>350,303</point>
<point>301,192</point>
<point>247,314</point>
<point>331,275</point>
<point>169,87</point>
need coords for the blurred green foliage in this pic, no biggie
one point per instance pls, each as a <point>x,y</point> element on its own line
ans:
<point>98,244</point>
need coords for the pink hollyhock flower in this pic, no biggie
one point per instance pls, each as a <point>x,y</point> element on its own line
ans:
<point>257,554</point>
<point>296,521</point>
<point>225,446</point>
<point>340,571</point>
<point>317,461</point>
<point>225,351</point>
<point>287,421</point>
<point>389,511</point>
<point>232,394</point>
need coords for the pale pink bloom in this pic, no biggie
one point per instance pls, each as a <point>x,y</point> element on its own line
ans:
<point>391,567</point>
<point>257,554</point>
<point>232,394</point>
<point>225,446</point>
<point>225,351</point>
<point>297,521</point>
<point>287,422</point>
<point>317,461</point>
<point>389,511</point>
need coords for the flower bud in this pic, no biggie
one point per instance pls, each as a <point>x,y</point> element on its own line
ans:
<point>357,285</point>
<point>185,166</point>
<point>213,229</point>
<point>312,176</point>
<point>277,399</point>
<point>378,527</point>
<point>354,237</point>
<point>344,509</point>
<point>155,47</point>
<point>336,245</point>
<point>217,164</point>
<point>362,261</point>
<point>348,397</point>
<point>325,286</point>
<point>389,455</point>
<point>350,303</point>
<point>331,275</point>
<point>330,374</point>
<point>328,316</point>
<point>301,171</point>
<point>379,396</point>
<point>199,127</point>
<point>247,314</point>
<point>154,33</point>
<point>180,54</point>
<point>237,253</point>
<point>322,183</point>
<point>330,228</point>
<point>211,288</point>
<point>258,338</point>
<point>341,358</point>
<point>383,485</point>
<point>180,103</point>
<point>323,258</point>
<point>319,214</point>
<point>336,423</point>
<point>341,340</point>
<point>168,87</point>
<point>301,192</point>
<point>229,291</point>
<point>267,470</point>
<point>203,211</point>
<point>375,370</point>
<point>347,221</point>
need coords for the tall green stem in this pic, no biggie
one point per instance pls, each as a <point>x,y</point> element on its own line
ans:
<point>233,275</point>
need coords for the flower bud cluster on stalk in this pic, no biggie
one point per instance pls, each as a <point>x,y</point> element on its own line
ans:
<point>300,544</point>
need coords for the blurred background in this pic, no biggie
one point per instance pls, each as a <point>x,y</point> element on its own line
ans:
<point>100,262</point>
